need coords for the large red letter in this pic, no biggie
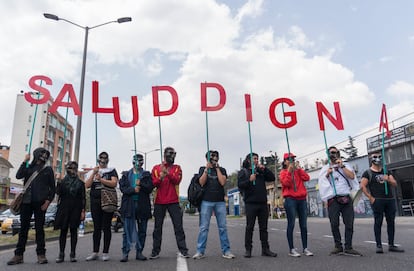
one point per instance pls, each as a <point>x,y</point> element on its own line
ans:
<point>95,100</point>
<point>292,115</point>
<point>384,121</point>
<point>248,103</point>
<point>336,122</point>
<point>44,91</point>
<point>72,97</point>
<point>117,115</point>
<point>155,100</point>
<point>222,93</point>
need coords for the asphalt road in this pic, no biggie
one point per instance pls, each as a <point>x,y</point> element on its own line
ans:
<point>320,242</point>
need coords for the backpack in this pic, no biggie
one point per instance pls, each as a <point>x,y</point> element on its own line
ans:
<point>195,191</point>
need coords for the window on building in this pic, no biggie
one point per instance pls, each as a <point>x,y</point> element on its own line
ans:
<point>398,154</point>
<point>28,132</point>
<point>30,118</point>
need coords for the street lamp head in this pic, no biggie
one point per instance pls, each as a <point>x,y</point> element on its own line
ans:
<point>51,16</point>
<point>124,20</point>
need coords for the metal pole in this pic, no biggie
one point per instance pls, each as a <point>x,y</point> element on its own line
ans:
<point>82,87</point>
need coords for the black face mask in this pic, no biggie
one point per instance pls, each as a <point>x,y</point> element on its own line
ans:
<point>41,154</point>
<point>333,155</point>
<point>170,156</point>
<point>72,171</point>
<point>103,161</point>
<point>139,163</point>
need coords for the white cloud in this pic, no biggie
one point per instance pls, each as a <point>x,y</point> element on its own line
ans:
<point>401,89</point>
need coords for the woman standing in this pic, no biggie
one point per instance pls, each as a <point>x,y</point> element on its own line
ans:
<point>100,176</point>
<point>294,192</point>
<point>71,209</point>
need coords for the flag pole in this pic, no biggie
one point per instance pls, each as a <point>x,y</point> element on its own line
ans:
<point>288,145</point>
<point>329,162</point>
<point>33,124</point>
<point>159,128</point>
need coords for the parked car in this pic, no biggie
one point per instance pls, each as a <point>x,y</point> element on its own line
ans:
<point>7,224</point>
<point>5,214</point>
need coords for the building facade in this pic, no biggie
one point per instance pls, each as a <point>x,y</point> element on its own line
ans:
<point>34,126</point>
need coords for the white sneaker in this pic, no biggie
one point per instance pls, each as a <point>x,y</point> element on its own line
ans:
<point>105,257</point>
<point>228,255</point>
<point>294,253</point>
<point>94,256</point>
<point>307,252</point>
<point>198,256</point>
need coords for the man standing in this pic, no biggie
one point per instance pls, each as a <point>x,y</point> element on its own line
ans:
<point>252,183</point>
<point>336,180</point>
<point>36,199</point>
<point>136,186</point>
<point>166,177</point>
<point>212,178</point>
<point>373,184</point>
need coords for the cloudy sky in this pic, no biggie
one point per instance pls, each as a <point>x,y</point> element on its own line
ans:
<point>358,53</point>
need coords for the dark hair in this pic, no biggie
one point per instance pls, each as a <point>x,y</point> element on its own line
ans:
<point>332,147</point>
<point>103,153</point>
<point>72,163</point>
<point>137,156</point>
<point>168,149</point>
<point>246,161</point>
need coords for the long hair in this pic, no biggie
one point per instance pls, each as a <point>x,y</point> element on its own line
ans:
<point>246,162</point>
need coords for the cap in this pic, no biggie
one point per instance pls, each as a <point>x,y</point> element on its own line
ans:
<point>287,155</point>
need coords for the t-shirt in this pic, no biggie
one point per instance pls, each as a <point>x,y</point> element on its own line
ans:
<point>107,174</point>
<point>376,184</point>
<point>214,191</point>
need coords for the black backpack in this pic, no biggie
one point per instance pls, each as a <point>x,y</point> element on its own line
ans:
<point>195,191</point>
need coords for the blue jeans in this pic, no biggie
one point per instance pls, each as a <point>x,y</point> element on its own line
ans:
<point>299,207</point>
<point>207,208</point>
<point>130,236</point>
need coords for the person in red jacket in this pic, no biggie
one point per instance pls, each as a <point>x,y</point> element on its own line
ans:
<point>292,177</point>
<point>166,177</point>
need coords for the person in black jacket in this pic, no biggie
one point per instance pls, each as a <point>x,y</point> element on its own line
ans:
<point>136,187</point>
<point>252,183</point>
<point>36,199</point>
<point>71,209</point>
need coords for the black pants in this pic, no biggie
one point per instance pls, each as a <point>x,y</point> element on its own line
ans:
<point>335,209</point>
<point>101,223</point>
<point>73,239</point>
<point>177,219</point>
<point>260,211</point>
<point>381,207</point>
<point>26,212</point>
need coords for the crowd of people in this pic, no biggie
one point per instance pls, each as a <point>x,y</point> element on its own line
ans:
<point>336,182</point>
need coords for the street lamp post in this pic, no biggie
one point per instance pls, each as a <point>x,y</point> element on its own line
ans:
<point>82,84</point>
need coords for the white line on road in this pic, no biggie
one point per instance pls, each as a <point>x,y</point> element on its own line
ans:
<point>181,264</point>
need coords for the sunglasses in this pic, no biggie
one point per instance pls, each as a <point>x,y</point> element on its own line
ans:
<point>334,152</point>
<point>103,157</point>
<point>377,156</point>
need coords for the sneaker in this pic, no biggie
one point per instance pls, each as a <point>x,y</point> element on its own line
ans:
<point>198,256</point>
<point>73,257</point>
<point>124,259</point>
<point>105,257</point>
<point>154,255</point>
<point>183,254</point>
<point>395,249</point>
<point>248,253</point>
<point>294,253</point>
<point>17,259</point>
<point>228,255</point>
<point>307,252</point>
<point>41,259</point>
<point>379,250</point>
<point>140,257</point>
<point>336,251</point>
<point>60,258</point>
<point>352,252</point>
<point>94,256</point>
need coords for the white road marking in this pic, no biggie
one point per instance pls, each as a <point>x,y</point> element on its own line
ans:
<point>181,263</point>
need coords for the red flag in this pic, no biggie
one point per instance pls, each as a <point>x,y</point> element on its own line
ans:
<point>384,121</point>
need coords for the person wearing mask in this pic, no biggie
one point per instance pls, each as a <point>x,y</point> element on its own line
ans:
<point>100,176</point>
<point>136,187</point>
<point>166,177</point>
<point>251,180</point>
<point>71,209</point>
<point>293,179</point>
<point>382,201</point>
<point>336,181</point>
<point>212,178</point>
<point>36,200</point>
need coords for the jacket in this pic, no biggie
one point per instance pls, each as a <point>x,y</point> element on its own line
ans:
<point>43,186</point>
<point>168,188</point>
<point>128,191</point>
<point>288,191</point>
<point>254,192</point>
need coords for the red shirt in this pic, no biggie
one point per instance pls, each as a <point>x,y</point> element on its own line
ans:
<point>168,188</point>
